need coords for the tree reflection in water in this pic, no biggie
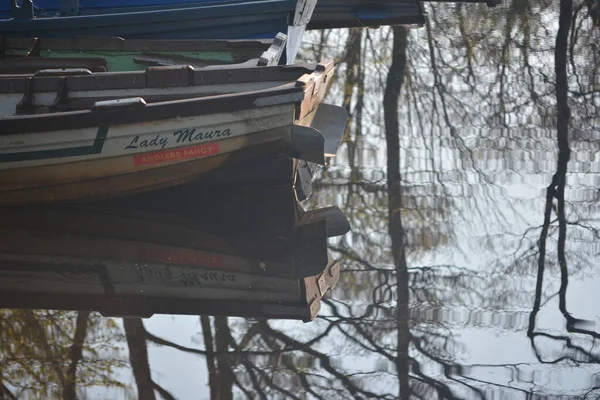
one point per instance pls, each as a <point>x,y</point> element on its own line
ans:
<point>450,288</point>
<point>55,354</point>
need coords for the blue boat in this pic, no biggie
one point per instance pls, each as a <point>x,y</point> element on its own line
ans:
<point>198,20</point>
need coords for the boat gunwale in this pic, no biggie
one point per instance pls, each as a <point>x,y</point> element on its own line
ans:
<point>69,120</point>
<point>231,102</point>
<point>116,43</point>
<point>157,77</point>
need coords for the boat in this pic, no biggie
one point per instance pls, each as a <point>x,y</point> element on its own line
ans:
<point>330,14</point>
<point>326,14</point>
<point>201,20</point>
<point>115,54</point>
<point>80,135</point>
<point>123,260</point>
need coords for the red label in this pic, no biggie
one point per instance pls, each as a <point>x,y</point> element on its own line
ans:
<point>186,258</point>
<point>186,153</point>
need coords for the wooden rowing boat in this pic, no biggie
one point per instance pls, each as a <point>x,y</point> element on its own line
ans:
<point>114,54</point>
<point>138,131</point>
<point>135,262</point>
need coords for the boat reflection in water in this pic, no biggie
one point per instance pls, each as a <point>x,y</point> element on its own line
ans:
<point>244,251</point>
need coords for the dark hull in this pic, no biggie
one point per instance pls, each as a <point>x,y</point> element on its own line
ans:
<point>261,19</point>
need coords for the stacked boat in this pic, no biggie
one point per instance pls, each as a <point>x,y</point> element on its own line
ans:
<point>113,113</point>
<point>154,157</point>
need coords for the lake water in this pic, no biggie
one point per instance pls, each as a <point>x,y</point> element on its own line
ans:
<point>470,174</point>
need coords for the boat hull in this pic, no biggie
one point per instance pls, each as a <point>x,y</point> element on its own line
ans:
<point>126,159</point>
<point>121,147</point>
<point>258,19</point>
<point>120,176</point>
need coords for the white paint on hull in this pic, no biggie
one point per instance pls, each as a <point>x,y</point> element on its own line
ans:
<point>146,137</point>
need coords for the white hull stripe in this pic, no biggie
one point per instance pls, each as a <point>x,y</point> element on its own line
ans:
<point>93,149</point>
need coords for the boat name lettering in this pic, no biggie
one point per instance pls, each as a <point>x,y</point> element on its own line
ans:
<point>158,141</point>
<point>191,135</point>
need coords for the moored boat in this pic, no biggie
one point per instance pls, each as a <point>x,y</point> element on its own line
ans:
<point>114,54</point>
<point>145,130</point>
<point>213,20</point>
<point>327,13</point>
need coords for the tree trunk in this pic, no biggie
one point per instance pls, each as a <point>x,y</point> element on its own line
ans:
<point>138,357</point>
<point>76,351</point>
<point>393,87</point>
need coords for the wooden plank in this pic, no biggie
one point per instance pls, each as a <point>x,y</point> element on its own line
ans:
<point>304,11</point>
<point>314,87</point>
<point>272,55</point>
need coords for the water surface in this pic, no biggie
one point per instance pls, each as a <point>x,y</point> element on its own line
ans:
<point>470,173</point>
